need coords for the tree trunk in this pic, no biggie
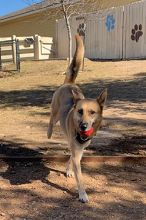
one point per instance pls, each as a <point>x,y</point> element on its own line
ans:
<point>68,31</point>
<point>70,40</point>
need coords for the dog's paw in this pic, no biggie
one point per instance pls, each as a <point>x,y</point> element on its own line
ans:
<point>83,197</point>
<point>69,173</point>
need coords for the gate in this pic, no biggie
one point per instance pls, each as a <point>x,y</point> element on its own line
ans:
<point>9,51</point>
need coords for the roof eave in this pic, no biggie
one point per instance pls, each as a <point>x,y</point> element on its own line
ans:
<point>13,16</point>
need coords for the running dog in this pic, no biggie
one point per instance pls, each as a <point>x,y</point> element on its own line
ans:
<point>80,118</point>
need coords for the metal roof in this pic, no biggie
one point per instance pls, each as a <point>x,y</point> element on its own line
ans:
<point>33,9</point>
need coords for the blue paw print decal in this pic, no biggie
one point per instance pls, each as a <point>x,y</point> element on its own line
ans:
<point>110,23</point>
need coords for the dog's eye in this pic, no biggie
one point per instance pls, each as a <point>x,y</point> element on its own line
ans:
<point>92,112</point>
<point>80,111</point>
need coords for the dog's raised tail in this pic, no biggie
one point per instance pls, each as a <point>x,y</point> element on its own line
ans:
<point>76,63</point>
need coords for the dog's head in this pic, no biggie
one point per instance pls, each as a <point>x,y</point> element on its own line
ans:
<point>88,114</point>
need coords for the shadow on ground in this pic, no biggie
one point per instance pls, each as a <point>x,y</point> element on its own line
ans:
<point>68,208</point>
<point>22,171</point>
<point>43,206</point>
<point>121,96</point>
<point>133,91</point>
<point>40,97</point>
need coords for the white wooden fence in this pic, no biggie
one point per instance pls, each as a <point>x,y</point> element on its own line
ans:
<point>134,32</point>
<point>103,40</point>
<point>31,47</point>
<point>115,33</point>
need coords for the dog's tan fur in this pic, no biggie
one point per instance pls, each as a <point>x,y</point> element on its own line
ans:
<point>70,107</point>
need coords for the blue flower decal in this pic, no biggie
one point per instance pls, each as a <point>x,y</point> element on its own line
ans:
<point>110,23</point>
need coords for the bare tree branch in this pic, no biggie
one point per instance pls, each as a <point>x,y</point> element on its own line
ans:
<point>56,9</point>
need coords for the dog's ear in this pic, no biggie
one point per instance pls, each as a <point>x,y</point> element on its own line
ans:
<point>77,96</point>
<point>101,99</point>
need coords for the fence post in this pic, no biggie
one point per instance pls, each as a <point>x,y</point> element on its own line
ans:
<point>37,47</point>
<point>0,59</point>
<point>14,48</point>
<point>17,55</point>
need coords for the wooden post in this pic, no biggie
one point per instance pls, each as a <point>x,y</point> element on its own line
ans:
<point>0,58</point>
<point>83,64</point>
<point>37,47</point>
<point>56,40</point>
<point>14,48</point>
<point>17,56</point>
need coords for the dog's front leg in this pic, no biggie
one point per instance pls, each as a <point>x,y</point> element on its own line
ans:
<point>69,168</point>
<point>76,158</point>
<point>50,127</point>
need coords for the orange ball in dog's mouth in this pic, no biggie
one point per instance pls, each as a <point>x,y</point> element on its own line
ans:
<point>87,133</point>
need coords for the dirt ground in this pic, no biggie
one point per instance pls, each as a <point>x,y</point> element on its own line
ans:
<point>37,190</point>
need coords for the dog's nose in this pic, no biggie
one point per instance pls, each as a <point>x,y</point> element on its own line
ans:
<point>83,126</point>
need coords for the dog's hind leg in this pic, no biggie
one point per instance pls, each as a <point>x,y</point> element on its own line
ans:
<point>54,118</point>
